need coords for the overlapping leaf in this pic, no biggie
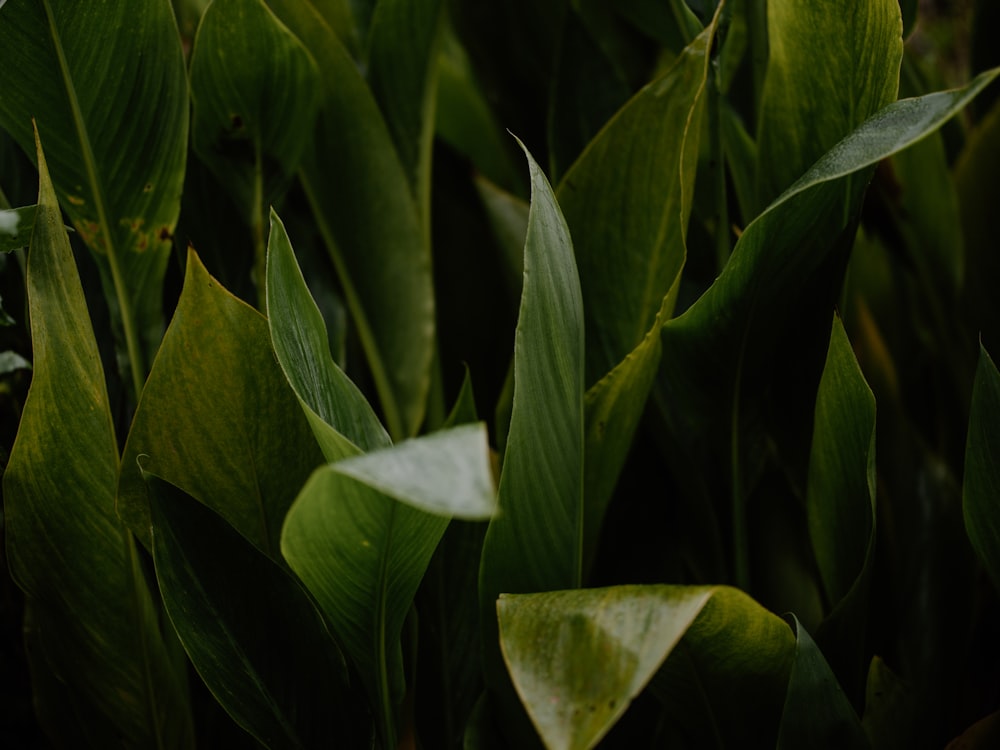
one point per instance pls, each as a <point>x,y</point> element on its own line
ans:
<point>112,109</point>
<point>239,444</point>
<point>370,223</point>
<point>95,637</point>
<point>251,632</point>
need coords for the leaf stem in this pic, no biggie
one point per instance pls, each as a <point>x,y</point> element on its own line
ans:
<point>257,228</point>
<point>386,717</point>
<point>132,344</point>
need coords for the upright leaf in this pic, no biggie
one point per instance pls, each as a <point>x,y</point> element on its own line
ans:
<point>840,497</point>
<point>95,628</point>
<point>627,200</point>
<point>535,543</point>
<point>112,109</point>
<point>831,67</point>
<point>240,444</point>
<point>370,223</point>
<point>817,713</point>
<point>981,485</point>
<point>250,630</point>
<point>255,92</point>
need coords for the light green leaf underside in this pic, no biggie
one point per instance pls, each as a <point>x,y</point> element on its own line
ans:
<point>115,131</point>
<point>240,444</point>
<point>94,627</point>
<point>578,658</point>
<point>446,472</point>
<point>981,485</point>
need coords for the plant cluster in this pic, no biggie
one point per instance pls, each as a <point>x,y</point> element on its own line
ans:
<point>356,422</point>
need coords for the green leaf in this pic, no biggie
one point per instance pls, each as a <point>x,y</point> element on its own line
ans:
<point>535,542</point>
<point>446,473</point>
<point>251,632</point>
<point>725,681</point>
<point>339,414</point>
<point>808,106</point>
<point>96,635</point>
<point>890,718</point>
<point>362,555</point>
<point>114,117</point>
<point>627,200</point>
<point>981,486</point>
<point>817,714</point>
<point>579,658</point>
<point>240,444</point>
<point>370,224</point>
<point>840,496</point>
<point>255,93</point>
<point>15,227</point>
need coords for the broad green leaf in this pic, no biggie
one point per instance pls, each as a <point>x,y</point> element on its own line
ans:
<point>705,356</point>
<point>251,632</point>
<point>446,472</point>
<point>535,541</point>
<point>112,110</point>
<point>981,486</point>
<point>366,215</point>
<point>341,418</point>
<point>840,496</point>
<point>404,42</point>
<point>96,634</point>
<point>627,200</point>
<point>15,227</point>
<point>725,681</point>
<point>817,714</point>
<point>240,444</point>
<point>890,711</point>
<point>362,555</point>
<point>579,658</point>
<point>255,93</point>
<point>831,67</point>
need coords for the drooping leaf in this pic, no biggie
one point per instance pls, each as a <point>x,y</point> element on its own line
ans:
<point>358,190</point>
<point>114,118</point>
<point>981,485</point>
<point>251,632</point>
<point>240,444</point>
<point>578,658</point>
<point>627,200</point>
<point>446,472</point>
<point>534,543</point>
<point>15,227</point>
<point>817,713</point>
<point>255,92</point>
<point>830,68</point>
<point>96,638</point>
